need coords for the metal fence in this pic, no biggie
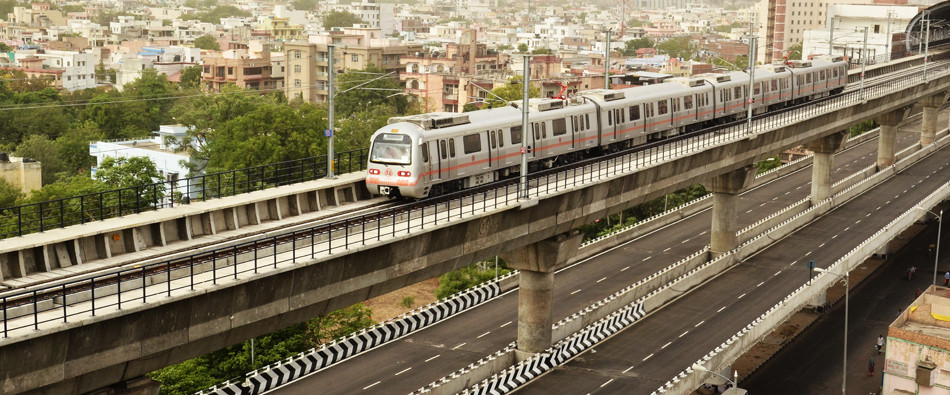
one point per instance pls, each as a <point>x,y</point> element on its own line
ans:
<point>77,299</point>
<point>54,214</point>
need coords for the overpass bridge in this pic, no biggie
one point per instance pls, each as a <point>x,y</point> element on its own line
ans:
<point>318,269</point>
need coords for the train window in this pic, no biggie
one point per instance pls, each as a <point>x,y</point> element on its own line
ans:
<point>620,115</point>
<point>774,85</point>
<point>516,134</point>
<point>757,89</point>
<point>834,72</point>
<point>442,149</point>
<point>471,143</point>
<point>537,131</point>
<point>558,127</point>
<point>587,118</point>
<point>544,130</point>
<point>574,122</point>
<point>634,113</point>
<point>452,147</point>
<point>610,118</point>
<point>808,78</point>
<point>491,139</point>
<point>738,92</point>
<point>687,102</point>
<point>676,104</point>
<point>501,139</point>
<point>425,152</point>
<point>821,74</point>
<point>661,107</point>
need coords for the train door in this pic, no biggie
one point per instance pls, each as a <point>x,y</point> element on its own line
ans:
<point>494,147</point>
<point>446,159</point>
<point>427,166</point>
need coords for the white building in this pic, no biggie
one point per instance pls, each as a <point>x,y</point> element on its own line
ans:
<point>79,68</point>
<point>373,14</point>
<point>170,164</point>
<point>849,23</point>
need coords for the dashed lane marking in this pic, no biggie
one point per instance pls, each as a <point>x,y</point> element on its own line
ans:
<point>460,345</point>
<point>625,268</point>
<point>647,258</point>
<point>666,345</point>
<point>505,324</point>
<point>578,290</point>
<point>608,382</point>
<point>483,335</point>
<point>602,279</point>
<point>648,357</point>
<point>441,354</point>
<point>721,309</point>
<point>403,371</point>
<point>760,284</point>
<point>741,296</point>
<point>700,323</point>
<point>370,386</point>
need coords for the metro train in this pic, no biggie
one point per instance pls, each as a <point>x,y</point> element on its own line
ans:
<point>436,153</point>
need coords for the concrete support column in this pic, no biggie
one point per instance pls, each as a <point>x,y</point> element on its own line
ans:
<point>928,131</point>
<point>887,137</point>
<point>824,149</point>
<point>725,189</point>
<point>537,263</point>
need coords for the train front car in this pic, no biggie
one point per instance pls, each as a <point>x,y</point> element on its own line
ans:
<point>394,168</point>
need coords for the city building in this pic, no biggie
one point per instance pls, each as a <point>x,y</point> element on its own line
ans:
<point>159,148</point>
<point>375,15</point>
<point>886,26</point>
<point>307,70</point>
<point>245,68</point>
<point>24,173</point>
<point>917,353</point>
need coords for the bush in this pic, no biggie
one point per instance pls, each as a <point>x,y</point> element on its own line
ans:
<point>408,301</point>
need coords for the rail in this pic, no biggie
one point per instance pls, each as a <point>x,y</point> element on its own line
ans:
<point>76,299</point>
<point>75,210</point>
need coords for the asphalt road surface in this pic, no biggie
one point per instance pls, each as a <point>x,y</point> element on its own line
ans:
<point>419,359</point>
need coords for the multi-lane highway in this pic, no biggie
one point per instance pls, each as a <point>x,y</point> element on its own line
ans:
<point>428,355</point>
<point>651,352</point>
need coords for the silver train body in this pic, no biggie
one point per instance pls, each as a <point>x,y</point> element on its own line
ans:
<point>436,153</point>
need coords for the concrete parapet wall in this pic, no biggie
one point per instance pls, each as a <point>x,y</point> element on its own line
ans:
<point>139,237</point>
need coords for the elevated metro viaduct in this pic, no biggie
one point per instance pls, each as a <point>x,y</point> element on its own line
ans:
<point>123,345</point>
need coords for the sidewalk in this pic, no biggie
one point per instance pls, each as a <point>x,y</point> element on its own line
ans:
<point>811,362</point>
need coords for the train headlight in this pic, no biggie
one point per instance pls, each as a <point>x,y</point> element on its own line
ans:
<point>404,174</point>
<point>374,171</point>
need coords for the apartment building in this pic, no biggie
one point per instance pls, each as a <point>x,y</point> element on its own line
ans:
<point>277,29</point>
<point>307,67</point>
<point>374,14</point>
<point>917,352</point>
<point>245,68</point>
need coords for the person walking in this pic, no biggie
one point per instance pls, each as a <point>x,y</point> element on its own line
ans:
<point>871,367</point>
<point>880,343</point>
<point>946,280</point>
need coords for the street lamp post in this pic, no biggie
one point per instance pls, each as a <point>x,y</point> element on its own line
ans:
<point>734,380</point>
<point>847,288</point>
<point>752,52</point>
<point>939,229</point>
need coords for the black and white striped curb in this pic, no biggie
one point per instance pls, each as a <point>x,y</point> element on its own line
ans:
<point>564,350</point>
<point>283,372</point>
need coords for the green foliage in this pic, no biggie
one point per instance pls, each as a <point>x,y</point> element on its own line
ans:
<point>124,172</point>
<point>727,28</point>
<point>542,51</point>
<point>522,48</point>
<point>207,42</point>
<point>5,48</point>
<point>633,45</point>
<point>407,302</point>
<point>740,63</point>
<point>862,128</point>
<point>191,77</point>
<point>305,5</point>
<point>106,16</point>
<point>6,6</point>
<point>630,216</point>
<point>9,194</point>
<point>139,109</point>
<point>768,164</point>
<point>634,22</point>
<point>795,52</point>
<point>468,277</point>
<point>511,91</point>
<point>504,47</point>
<point>232,362</point>
<point>470,107</point>
<point>369,87</point>
<point>678,47</point>
<point>340,19</point>
<point>216,13</point>
<point>46,151</point>
<point>80,184</point>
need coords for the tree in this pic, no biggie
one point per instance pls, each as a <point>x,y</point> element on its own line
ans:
<point>305,5</point>
<point>369,87</point>
<point>74,148</point>
<point>522,48</point>
<point>47,152</point>
<point>124,172</point>
<point>6,6</point>
<point>633,45</point>
<point>5,48</point>
<point>678,47</point>
<point>513,90</point>
<point>795,52</point>
<point>727,28</point>
<point>542,51</point>
<point>9,194</point>
<point>338,324</point>
<point>634,22</point>
<point>191,77</point>
<point>207,42</point>
<point>467,277</point>
<point>340,19</point>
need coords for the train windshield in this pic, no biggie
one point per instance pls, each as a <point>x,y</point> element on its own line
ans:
<point>391,148</point>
